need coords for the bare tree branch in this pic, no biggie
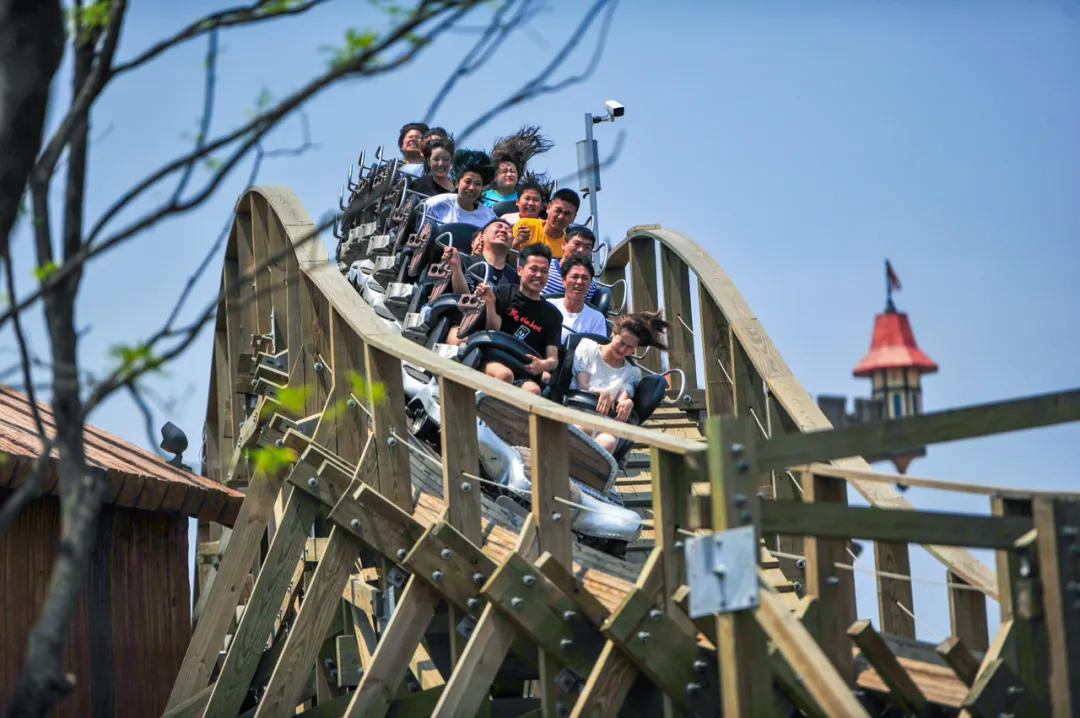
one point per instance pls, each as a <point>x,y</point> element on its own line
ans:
<point>233,17</point>
<point>491,39</point>
<point>538,85</point>
<point>89,92</point>
<point>210,86</point>
<point>256,129</point>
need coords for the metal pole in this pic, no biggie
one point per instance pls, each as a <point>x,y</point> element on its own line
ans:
<point>593,169</point>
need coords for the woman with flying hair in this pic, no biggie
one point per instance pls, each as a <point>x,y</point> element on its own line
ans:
<point>471,171</point>
<point>438,159</point>
<point>510,155</point>
<point>606,370</point>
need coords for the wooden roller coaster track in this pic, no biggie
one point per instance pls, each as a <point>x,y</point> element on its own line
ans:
<point>367,576</point>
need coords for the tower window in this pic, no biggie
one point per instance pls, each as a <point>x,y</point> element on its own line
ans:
<point>914,403</point>
<point>898,405</point>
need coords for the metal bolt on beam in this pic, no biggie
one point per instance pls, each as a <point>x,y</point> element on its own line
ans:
<point>644,636</point>
<point>446,554</point>
<point>436,576</point>
<point>313,482</point>
<point>517,602</point>
<point>401,554</point>
<point>355,523</point>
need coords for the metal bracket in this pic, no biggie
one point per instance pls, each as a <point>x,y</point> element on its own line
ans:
<point>568,680</point>
<point>466,625</point>
<point>397,577</point>
<point>721,570</point>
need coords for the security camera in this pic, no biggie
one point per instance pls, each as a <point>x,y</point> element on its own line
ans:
<point>614,108</point>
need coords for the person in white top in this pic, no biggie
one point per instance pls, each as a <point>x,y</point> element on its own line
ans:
<point>410,142</point>
<point>605,370</point>
<point>577,274</point>
<point>471,172</point>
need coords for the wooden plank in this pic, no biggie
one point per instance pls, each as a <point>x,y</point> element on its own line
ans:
<point>262,607</point>
<point>967,614</point>
<point>883,660</point>
<point>834,520</point>
<point>388,422</point>
<point>460,455</point>
<point>957,656</point>
<point>304,640</point>
<point>1058,525</point>
<point>209,635</point>
<point>348,425</point>
<point>396,647</point>
<point>550,475</point>
<point>98,601</point>
<point>999,686</point>
<point>643,295</point>
<point>676,279</point>
<point>892,593</point>
<point>913,431</point>
<point>802,653</point>
<point>469,684</point>
<point>614,673</point>
<point>832,586</point>
<point>746,681</point>
<point>715,350</point>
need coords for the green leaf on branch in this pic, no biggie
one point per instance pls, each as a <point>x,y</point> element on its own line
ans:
<point>42,272</point>
<point>355,43</point>
<point>3,458</point>
<point>135,360</point>
<point>271,459</point>
<point>211,163</point>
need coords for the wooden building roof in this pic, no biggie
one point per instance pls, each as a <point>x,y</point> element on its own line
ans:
<point>138,478</point>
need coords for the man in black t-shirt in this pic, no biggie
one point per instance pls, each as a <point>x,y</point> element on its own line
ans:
<point>520,312</point>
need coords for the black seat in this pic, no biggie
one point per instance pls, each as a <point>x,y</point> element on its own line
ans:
<point>648,396</point>
<point>564,372</point>
<point>504,207</point>
<point>494,346</point>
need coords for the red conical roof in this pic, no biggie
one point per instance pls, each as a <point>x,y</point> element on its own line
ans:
<point>894,347</point>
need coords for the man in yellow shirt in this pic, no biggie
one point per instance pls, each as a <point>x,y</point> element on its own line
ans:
<point>561,212</point>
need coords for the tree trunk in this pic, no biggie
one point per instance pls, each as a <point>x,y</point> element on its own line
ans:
<point>31,47</point>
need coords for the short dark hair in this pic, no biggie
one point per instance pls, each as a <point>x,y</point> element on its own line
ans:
<point>580,230</point>
<point>406,129</point>
<point>569,196</point>
<point>536,249</point>
<point>534,186</point>
<point>437,132</point>
<point>568,263</point>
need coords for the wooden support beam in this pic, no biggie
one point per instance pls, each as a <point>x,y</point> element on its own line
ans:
<point>831,585</point>
<point>467,690</point>
<point>643,295</point>
<point>881,658</point>
<point>1058,526</point>
<point>223,596</point>
<point>322,599</point>
<point>677,311</point>
<point>388,422</point>
<point>716,350</point>
<point>614,673</point>
<point>257,622</point>
<point>914,431</point>
<point>956,655</point>
<point>999,687</point>
<point>967,613</point>
<point>746,681</point>
<point>834,520</point>
<point>806,659</point>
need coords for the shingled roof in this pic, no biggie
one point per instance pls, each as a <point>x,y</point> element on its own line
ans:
<point>138,478</point>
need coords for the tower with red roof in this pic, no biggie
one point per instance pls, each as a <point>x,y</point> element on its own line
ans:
<point>894,365</point>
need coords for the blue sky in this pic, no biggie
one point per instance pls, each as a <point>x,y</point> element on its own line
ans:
<point>800,143</point>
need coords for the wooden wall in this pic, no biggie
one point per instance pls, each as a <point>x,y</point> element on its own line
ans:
<point>134,619</point>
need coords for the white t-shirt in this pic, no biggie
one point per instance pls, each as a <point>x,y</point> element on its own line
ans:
<point>587,321</point>
<point>445,208</point>
<point>614,380</point>
<point>416,169</point>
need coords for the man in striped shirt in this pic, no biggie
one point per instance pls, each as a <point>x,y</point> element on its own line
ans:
<point>579,241</point>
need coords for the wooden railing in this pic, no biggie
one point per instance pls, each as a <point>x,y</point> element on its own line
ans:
<point>594,639</point>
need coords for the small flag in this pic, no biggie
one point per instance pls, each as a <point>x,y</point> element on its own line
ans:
<point>894,281</point>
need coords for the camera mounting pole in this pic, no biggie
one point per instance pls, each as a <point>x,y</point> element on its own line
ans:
<point>589,161</point>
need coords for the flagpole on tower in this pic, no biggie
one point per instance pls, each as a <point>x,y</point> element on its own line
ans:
<point>891,282</point>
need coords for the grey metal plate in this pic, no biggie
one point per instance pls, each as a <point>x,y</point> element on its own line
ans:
<point>722,572</point>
